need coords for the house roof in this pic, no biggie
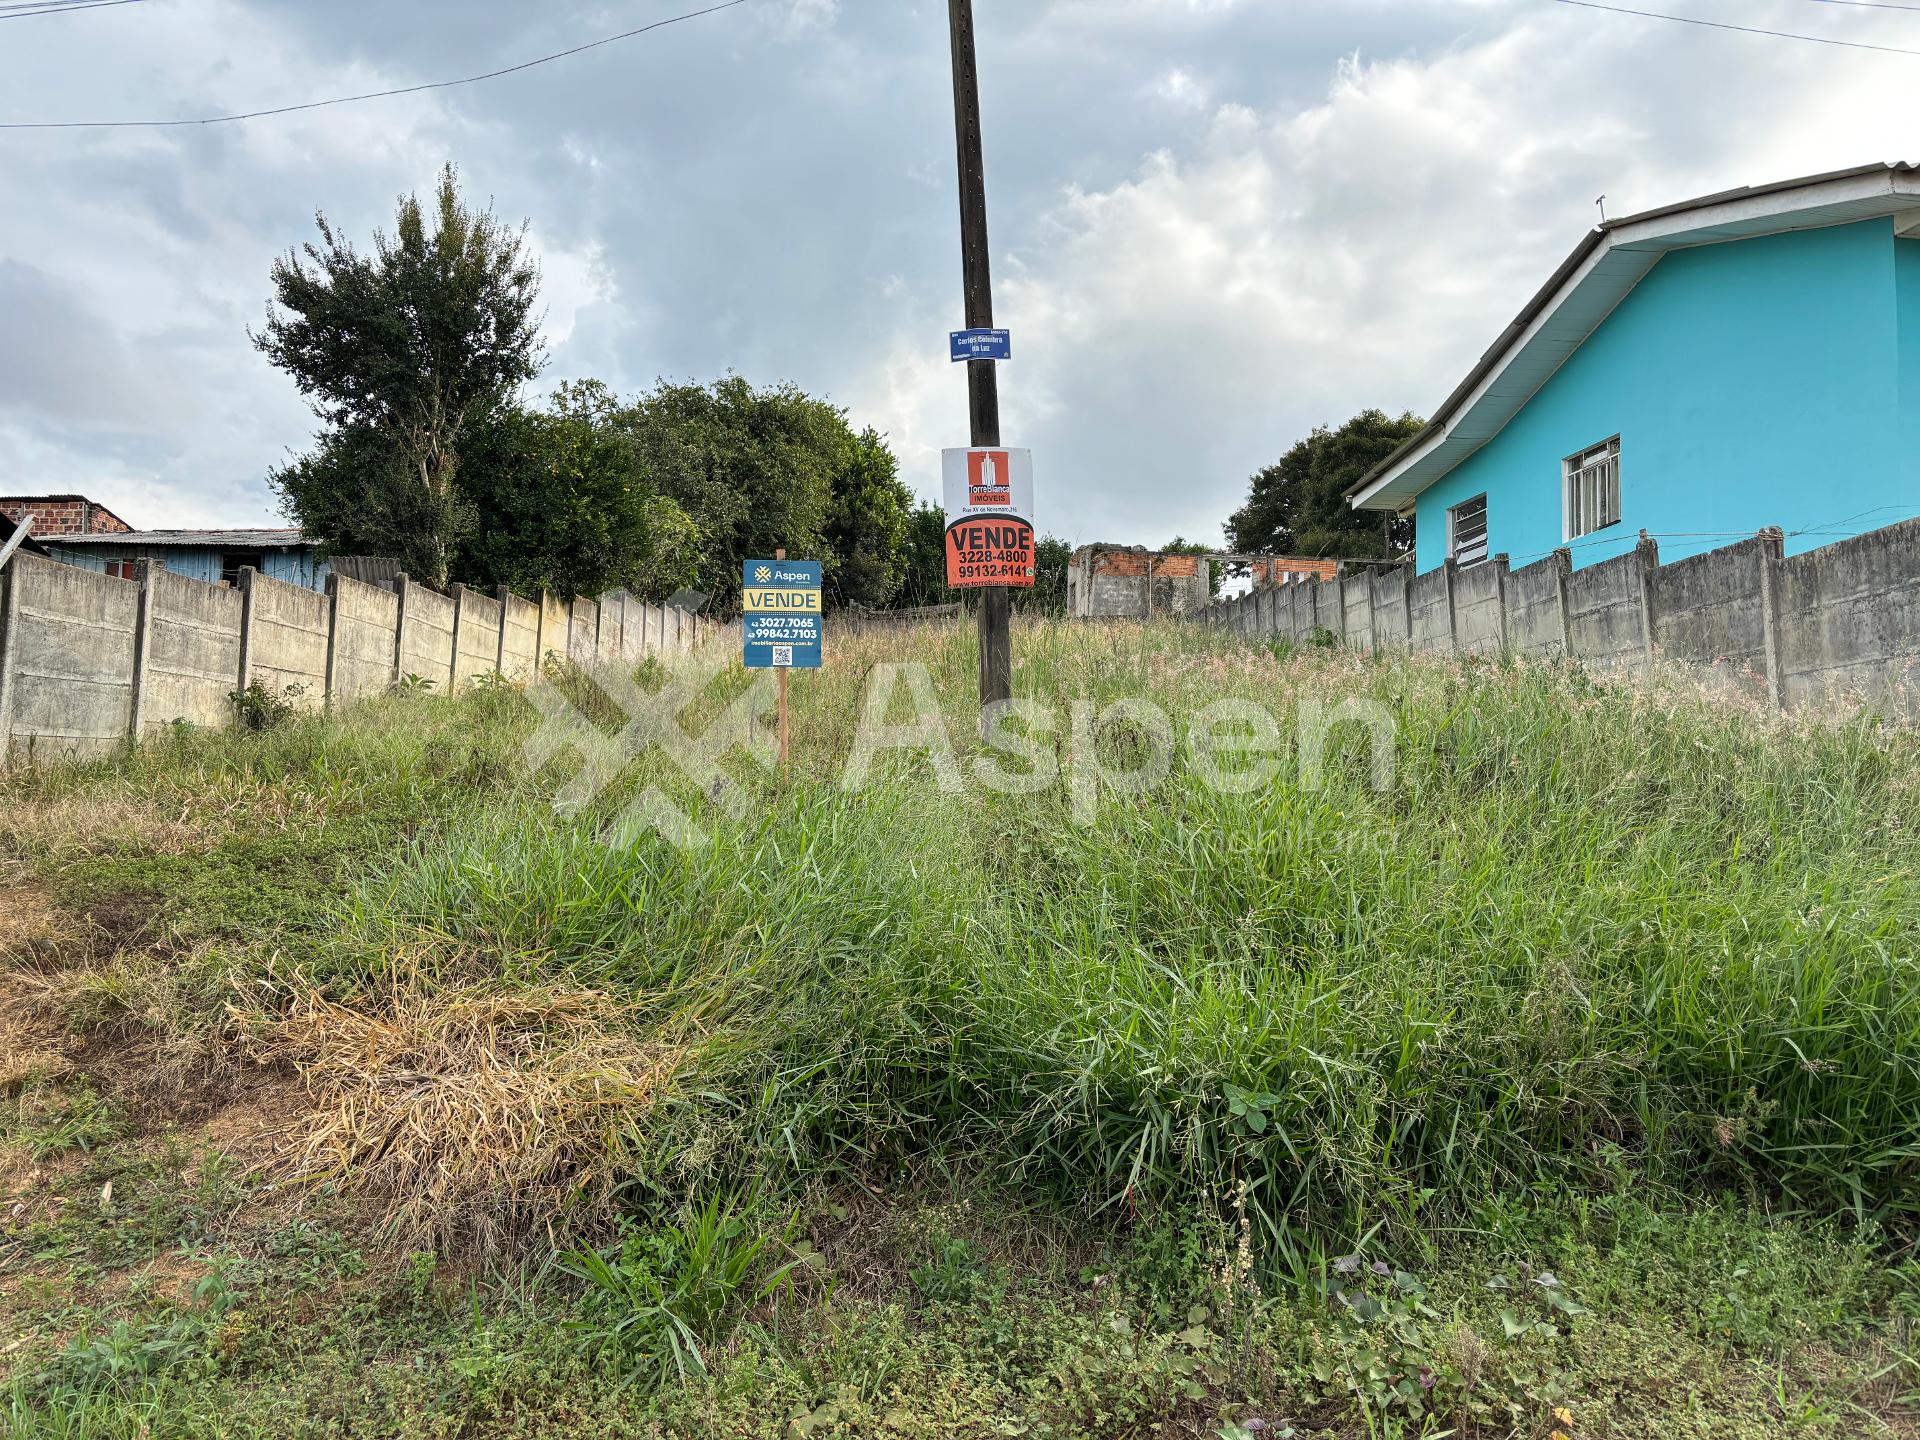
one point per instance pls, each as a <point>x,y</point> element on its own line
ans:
<point>1602,270</point>
<point>238,539</point>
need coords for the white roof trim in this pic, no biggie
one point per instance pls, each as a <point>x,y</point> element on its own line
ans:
<point>1598,276</point>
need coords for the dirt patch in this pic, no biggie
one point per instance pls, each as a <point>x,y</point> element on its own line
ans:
<point>29,920</point>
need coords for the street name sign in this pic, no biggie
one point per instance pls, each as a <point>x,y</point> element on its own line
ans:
<point>982,345</point>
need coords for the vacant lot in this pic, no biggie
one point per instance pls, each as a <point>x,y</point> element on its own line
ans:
<point>1561,1077</point>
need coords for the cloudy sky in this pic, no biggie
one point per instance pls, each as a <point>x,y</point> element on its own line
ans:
<point>1216,223</point>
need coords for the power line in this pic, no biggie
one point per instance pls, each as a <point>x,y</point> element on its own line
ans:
<point>1869,4</point>
<point>1742,29</point>
<point>27,12</point>
<point>368,95</point>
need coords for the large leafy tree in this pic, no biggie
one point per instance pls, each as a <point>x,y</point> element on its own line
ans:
<point>1299,506</point>
<point>923,566</point>
<point>563,503</point>
<point>866,530</point>
<point>404,353</point>
<point>754,468</point>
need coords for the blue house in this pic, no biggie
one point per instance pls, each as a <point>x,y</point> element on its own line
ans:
<point>210,555</point>
<point>1700,372</point>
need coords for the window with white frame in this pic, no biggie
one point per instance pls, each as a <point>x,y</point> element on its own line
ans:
<point>1467,531</point>
<point>1591,490</point>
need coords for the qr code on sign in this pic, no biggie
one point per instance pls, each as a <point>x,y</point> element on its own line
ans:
<point>783,657</point>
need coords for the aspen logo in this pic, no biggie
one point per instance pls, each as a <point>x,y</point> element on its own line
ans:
<point>763,573</point>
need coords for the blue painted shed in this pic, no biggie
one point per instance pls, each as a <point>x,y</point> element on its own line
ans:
<point>1700,372</point>
<point>210,555</point>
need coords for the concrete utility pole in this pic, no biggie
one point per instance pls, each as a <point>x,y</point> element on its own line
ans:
<point>983,386</point>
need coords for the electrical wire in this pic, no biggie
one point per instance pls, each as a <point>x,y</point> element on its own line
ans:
<point>1741,29</point>
<point>27,12</point>
<point>1869,5</point>
<point>367,95</point>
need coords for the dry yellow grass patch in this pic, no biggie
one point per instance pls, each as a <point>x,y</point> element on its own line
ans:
<point>476,1114</point>
<point>85,822</point>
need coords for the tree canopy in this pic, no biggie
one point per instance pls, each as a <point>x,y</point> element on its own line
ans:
<point>1298,506</point>
<point>402,353</point>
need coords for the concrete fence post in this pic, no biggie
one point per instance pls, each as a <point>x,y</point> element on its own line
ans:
<point>1562,570</point>
<point>540,634</point>
<point>459,613</point>
<point>402,585</point>
<point>1501,569</point>
<point>1447,569</point>
<point>1648,553</point>
<point>9,630</point>
<point>504,596</point>
<point>331,676</point>
<point>244,584</point>
<point>142,648</point>
<point>1406,602</point>
<point>1773,552</point>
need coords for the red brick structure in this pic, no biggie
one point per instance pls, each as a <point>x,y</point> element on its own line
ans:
<point>1290,570</point>
<point>1130,582</point>
<point>55,515</point>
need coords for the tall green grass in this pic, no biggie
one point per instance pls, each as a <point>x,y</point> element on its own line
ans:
<point>1587,930</point>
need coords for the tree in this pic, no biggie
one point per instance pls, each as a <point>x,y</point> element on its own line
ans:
<point>923,565</point>
<point>403,354</point>
<point>753,469</point>
<point>562,503</point>
<point>1299,507</point>
<point>1048,595</point>
<point>866,528</point>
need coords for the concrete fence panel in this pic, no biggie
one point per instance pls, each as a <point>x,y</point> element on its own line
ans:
<point>1430,602</point>
<point>520,638</point>
<point>66,659</point>
<point>426,641</point>
<point>1849,616</point>
<point>1479,608</point>
<point>1606,613</point>
<point>1708,610</point>
<point>583,631</point>
<point>1537,607</point>
<point>478,651</point>
<point>287,645</point>
<point>1389,595</point>
<point>1356,608</point>
<point>363,640</point>
<point>191,661</point>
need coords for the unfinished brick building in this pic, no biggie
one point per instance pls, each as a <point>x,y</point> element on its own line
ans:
<point>60,515</point>
<point>1131,582</point>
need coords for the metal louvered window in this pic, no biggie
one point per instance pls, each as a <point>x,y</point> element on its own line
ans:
<point>1467,531</point>
<point>1592,489</point>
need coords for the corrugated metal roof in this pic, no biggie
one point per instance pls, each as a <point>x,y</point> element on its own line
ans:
<point>1602,270</point>
<point>238,539</point>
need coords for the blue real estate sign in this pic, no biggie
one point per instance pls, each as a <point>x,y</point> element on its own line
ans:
<point>982,345</point>
<point>781,627</point>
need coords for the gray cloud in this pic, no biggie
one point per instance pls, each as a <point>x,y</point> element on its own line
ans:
<point>1216,222</point>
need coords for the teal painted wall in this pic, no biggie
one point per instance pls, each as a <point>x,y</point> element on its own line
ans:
<point>1773,381</point>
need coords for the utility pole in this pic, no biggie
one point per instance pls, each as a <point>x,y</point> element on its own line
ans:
<point>983,386</point>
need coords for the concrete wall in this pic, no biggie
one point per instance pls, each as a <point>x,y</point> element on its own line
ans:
<point>66,671</point>
<point>192,657</point>
<point>363,638</point>
<point>519,653</point>
<point>1836,625</point>
<point>1849,622</point>
<point>288,644</point>
<point>477,652</point>
<point>88,660</point>
<point>426,635</point>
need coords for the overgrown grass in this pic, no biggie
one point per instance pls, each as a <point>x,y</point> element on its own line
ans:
<point>1583,930</point>
<point>1593,956</point>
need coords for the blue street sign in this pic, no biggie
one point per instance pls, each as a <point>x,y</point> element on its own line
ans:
<point>982,345</point>
<point>781,626</point>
